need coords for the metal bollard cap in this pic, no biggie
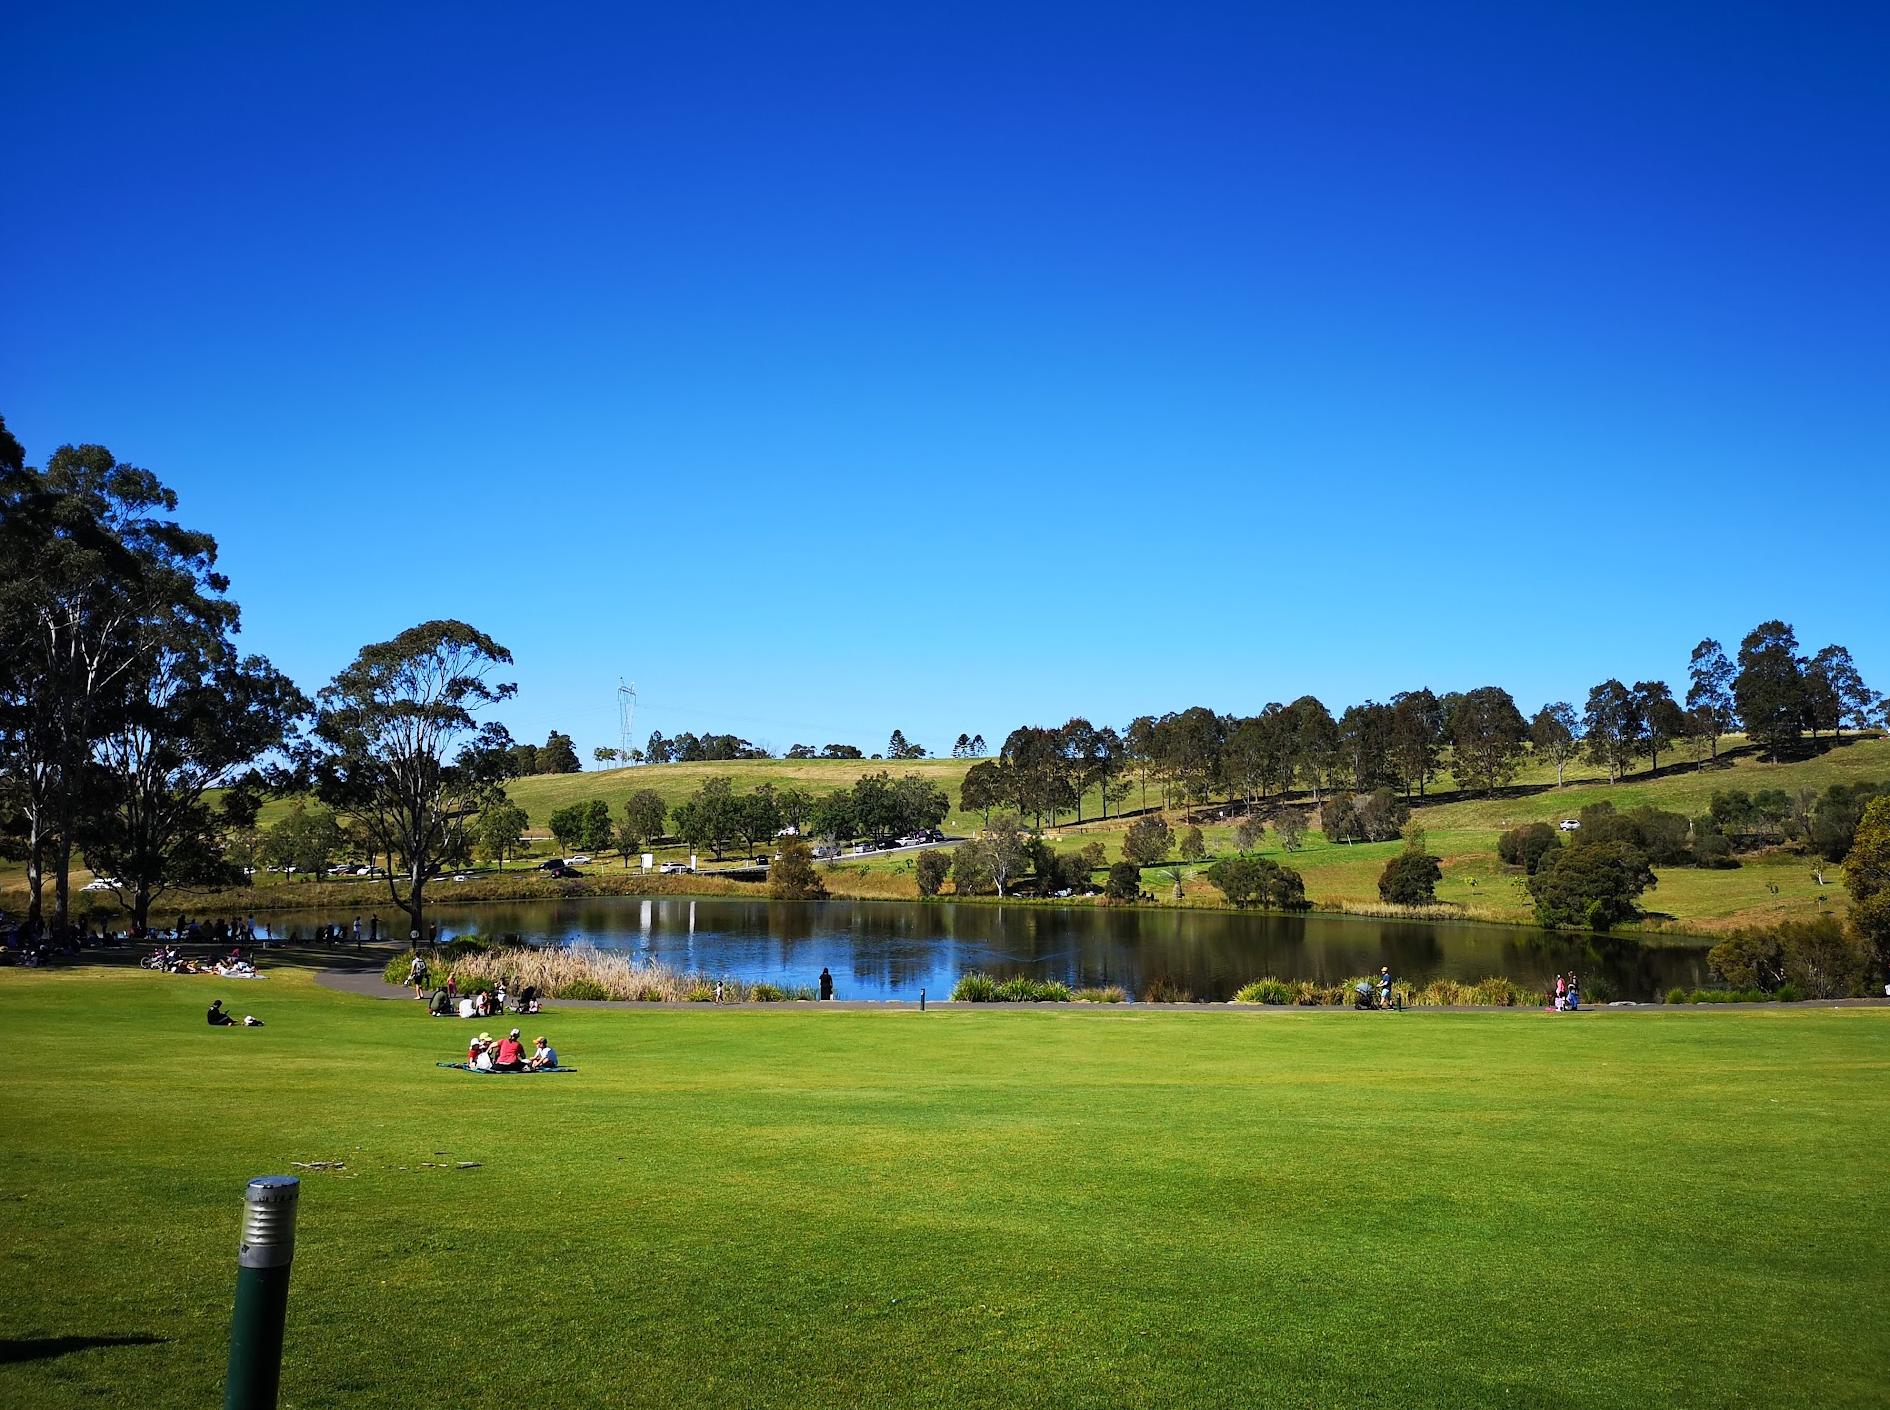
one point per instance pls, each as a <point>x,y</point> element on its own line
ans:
<point>269,1205</point>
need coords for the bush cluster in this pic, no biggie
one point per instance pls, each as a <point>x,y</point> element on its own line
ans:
<point>1099,994</point>
<point>1784,994</point>
<point>978,988</point>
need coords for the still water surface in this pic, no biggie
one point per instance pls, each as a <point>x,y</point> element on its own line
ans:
<point>890,950</point>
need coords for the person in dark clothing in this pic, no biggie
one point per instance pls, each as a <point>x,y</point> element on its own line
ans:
<point>826,983</point>
<point>217,1017</point>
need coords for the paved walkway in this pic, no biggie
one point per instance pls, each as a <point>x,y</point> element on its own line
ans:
<point>369,984</point>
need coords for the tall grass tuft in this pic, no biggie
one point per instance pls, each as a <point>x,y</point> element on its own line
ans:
<point>976,988</point>
<point>1099,994</point>
<point>1266,991</point>
<point>1165,991</point>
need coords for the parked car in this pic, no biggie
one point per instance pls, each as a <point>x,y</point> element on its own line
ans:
<point>580,860</point>
<point>99,883</point>
<point>1570,824</point>
<point>553,865</point>
<point>675,868</point>
<point>561,871</point>
<point>461,876</point>
<point>863,849</point>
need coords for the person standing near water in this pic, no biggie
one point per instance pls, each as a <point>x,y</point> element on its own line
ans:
<point>826,983</point>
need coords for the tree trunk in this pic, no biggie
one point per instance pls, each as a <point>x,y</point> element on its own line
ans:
<point>35,875</point>
<point>62,881</point>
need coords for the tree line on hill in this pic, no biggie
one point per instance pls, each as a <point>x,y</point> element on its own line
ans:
<point>1774,692</point>
<point>689,748</point>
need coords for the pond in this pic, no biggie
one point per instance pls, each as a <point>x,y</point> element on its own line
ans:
<point>891,949</point>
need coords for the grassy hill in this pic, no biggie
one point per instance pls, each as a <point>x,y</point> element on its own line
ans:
<point>808,1209</point>
<point>1462,829</point>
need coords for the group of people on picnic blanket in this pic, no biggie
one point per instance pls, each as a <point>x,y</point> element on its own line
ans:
<point>508,1054</point>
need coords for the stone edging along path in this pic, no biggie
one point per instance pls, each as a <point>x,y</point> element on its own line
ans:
<point>369,984</point>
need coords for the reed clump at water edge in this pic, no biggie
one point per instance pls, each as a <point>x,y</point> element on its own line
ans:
<point>585,972</point>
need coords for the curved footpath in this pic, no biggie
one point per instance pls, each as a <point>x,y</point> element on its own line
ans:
<point>369,984</point>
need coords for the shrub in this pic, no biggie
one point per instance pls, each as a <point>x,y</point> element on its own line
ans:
<point>1676,996</point>
<point>1410,879</point>
<point>1193,845</point>
<point>1789,994</point>
<point>1498,992</point>
<point>1165,991</point>
<point>975,988</point>
<point>1593,885</point>
<point>465,945</point>
<point>765,994</point>
<point>1817,957</point>
<point>1125,882</point>
<point>1099,994</point>
<point>933,866</point>
<point>1022,989</point>
<point>791,875</point>
<point>1148,840</point>
<point>1247,881</point>
<point>700,992</point>
<point>580,989</point>
<point>1265,991</point>
<point>395,970</point>
<point>1526,846</point>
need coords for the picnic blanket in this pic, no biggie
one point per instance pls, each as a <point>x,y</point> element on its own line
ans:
<point>524,1072</point>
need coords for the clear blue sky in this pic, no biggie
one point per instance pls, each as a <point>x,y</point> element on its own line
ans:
<point>825,369</point>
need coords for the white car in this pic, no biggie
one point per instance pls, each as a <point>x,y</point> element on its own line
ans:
<point>580,860</point>
<point>100,883</point>
<point>1570,824</point>
<point>461,876</point>
<point>675,868</point>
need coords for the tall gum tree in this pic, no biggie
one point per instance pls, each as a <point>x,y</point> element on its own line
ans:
<point>400,752</point>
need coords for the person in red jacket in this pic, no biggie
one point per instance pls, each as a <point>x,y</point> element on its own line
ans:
<point>511,1054</point>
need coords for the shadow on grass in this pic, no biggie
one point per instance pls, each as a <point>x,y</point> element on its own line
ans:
<point>47,1348</point>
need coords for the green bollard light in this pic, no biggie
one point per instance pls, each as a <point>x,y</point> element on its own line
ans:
<point>262,1292</point>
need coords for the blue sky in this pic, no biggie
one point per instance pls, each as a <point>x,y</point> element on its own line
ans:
<point>828,369</point>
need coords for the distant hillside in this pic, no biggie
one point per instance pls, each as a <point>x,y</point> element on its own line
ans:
<point>1681,787</point>
<point>543,794</point>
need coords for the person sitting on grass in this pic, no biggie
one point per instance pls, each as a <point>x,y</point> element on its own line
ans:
<point>511,1054</point>
<point>479,1053</point>
<point>544,1057</point>
<point>442,1005</point>
<point>217,1017</point>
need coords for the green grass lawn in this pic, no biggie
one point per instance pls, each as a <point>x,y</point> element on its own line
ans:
<point>776,1208</point>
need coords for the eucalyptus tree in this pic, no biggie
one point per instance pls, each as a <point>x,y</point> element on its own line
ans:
<point>1709,692</point>
<point>1487,733</point>
<point>196,719</point>
<point>1555,733</point>
<point>1417,738</point>
<point>1769,689</point>
<point>399,749</point>
<point>87,557</point>
<point>1611,725</point>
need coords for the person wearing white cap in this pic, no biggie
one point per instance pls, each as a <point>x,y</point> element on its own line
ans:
<point>479,1054</point>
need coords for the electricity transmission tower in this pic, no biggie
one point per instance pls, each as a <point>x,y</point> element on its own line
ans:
<point>626,718</point>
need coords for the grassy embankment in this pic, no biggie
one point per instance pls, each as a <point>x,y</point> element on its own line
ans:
<point>797,1209</point>
<point>1462,829</point>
